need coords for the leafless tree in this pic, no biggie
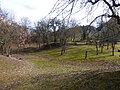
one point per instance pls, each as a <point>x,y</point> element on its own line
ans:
<point>109,8</point>
<point>113,32</point>
<point>25,27</point>
<point>40,34</point>
<point>8,33</point>
<point>63,37</point>
<point>54,24</point>
<point>109,33</point>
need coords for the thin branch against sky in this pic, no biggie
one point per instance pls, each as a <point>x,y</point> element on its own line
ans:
<point>78,9</point>
<point>110,7</point>
<point>38,9</point>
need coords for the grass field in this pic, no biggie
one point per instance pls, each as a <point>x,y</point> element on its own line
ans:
<point>48,70</point>
<point>77,53</point>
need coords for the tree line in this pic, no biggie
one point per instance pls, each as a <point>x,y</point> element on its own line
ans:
<point>12,33</point>
<point>55,32</point>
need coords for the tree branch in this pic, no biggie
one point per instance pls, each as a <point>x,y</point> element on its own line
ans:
<point>114,4</point>
<point>97,18</point>
<point>93,2</point>
<point>110,7</point>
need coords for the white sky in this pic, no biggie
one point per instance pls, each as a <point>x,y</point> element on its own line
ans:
<point>33,9</point>
<point>37,9</point>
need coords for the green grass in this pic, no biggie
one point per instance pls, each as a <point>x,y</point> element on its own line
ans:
<point>77,53</point>
<point>52,66</point>
<point>75,81</point>
<point>56,72</point>
<point>102,81</point>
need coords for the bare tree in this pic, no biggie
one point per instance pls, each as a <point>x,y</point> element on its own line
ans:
<point>25,23</point>
<point>109,33</point>
<point>63,37</point>
<point>110,8</point>
<point>8,33</point>
<point>114,31</point>
<point>54,24</point>
<point>40,34</point>
<point>25,27</point>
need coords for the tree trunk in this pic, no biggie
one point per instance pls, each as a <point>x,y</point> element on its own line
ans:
<point>39,45</point>
<point>3,48</point>
<point>8,50</point>
<point>63,46</point>
<point>86,54</point>
<point>55,39</point>
<point>102,46</point>
<point>97,51</point>
<point>63,50</point>
<point>113,48</point>
<point>107,45</point>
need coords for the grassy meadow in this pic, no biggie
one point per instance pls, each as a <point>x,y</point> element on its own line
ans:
<point>48,70</point>
<point>77,53</point>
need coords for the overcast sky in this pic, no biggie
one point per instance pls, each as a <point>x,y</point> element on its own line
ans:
<point>33,9</point>
<point>37,9</point>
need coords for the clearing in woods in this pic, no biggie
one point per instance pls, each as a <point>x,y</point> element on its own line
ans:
<point>47,70</point>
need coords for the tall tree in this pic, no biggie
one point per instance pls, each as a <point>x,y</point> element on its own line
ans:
<point>8,33</point>
<point>25,29</point>
<point>54,24</point>
<point>63,37</point>
<point>41,32</point>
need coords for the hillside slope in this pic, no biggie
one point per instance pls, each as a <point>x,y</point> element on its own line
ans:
<point>41,73</point>
<point>14,71</point>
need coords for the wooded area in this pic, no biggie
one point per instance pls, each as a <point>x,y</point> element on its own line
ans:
<point>59,53</point>
<point>47,32</point>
